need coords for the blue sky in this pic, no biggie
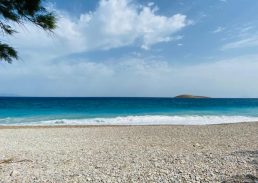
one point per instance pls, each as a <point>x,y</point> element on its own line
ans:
<point>138,48</point>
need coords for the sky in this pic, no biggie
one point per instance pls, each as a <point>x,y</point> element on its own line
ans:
<point>137,48</point>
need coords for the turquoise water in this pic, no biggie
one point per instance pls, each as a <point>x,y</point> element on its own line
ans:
<point>54,111</point>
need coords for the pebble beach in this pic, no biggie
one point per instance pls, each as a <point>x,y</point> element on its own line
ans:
<point>207,153</point>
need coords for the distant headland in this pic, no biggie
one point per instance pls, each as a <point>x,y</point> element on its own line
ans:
<point>190,96</point>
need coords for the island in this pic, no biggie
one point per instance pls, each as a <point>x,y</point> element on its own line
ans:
<point>190,96</point>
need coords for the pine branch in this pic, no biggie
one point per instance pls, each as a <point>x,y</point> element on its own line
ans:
<point>7,53</point>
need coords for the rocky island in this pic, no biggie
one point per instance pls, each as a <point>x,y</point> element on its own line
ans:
<point>190,96</point>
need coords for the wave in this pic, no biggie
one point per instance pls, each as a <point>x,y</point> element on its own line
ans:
<point>143,120</point>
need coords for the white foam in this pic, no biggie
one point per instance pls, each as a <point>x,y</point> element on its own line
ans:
<point>151,120</point>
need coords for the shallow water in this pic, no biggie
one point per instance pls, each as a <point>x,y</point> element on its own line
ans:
<point>45,111</point>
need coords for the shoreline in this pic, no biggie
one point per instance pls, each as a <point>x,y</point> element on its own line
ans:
<point>38,126</point>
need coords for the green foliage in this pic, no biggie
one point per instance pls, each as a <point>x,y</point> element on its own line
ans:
<point>7,53</point>
<point>20,11</point>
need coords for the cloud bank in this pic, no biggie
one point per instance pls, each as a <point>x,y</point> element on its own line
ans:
<point>132,77</point>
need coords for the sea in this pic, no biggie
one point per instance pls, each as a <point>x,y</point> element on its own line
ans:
<point>125,111</point>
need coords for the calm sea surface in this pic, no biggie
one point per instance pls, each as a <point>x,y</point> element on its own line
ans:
<point>55,111</point>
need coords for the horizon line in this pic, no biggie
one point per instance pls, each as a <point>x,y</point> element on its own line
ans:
<point>123,97</point>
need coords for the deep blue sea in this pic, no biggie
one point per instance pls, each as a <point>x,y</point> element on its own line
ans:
<point>124,111</point>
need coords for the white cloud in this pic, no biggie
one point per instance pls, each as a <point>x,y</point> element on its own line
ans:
<point>218,30</point>
<point>246,29</point>
<point>115,23</point>
<point>118,23</point>
<point>244,36</point>
<point>151,4</point>
<point>242,43</point>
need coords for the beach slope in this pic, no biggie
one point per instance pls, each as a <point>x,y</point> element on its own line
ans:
<point>212,153</point>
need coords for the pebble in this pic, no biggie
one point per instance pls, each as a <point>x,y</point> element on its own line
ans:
<point>98,154</point>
